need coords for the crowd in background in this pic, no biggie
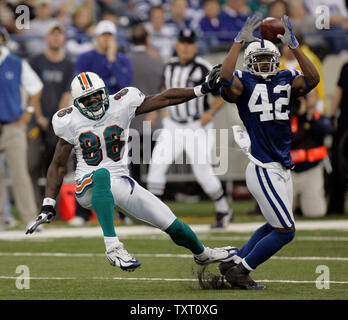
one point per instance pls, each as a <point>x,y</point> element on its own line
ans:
<point>63,37</point>
<point>215,21</point>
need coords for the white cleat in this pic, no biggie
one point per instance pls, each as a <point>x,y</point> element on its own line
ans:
<point>118,256</point>
<point>223,254</point>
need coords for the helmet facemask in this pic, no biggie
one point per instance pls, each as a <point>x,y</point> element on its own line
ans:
<point>97,110</point>
<point>262,58</point>
<point>258,66</point>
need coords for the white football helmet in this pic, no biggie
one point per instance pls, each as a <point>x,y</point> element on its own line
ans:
<point>85,84</point>
<point>262,48</point>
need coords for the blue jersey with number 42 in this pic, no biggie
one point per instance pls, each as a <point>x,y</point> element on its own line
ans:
<point>264,108</point>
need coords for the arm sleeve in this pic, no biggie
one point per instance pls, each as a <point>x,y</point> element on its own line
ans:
<point>30,80</point>
<point>239,75</point>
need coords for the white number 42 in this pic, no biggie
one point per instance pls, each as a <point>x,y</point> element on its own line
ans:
<point>266,107</point>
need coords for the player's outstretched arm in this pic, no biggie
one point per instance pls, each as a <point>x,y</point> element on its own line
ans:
<point>176,96</point>
<point>304,83</point>
<point>232,87</point>
<point>55,176</point>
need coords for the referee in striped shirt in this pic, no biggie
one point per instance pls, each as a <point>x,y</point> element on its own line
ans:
<point>188,70</point>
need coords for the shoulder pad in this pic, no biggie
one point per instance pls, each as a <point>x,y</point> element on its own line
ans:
<point>61,121</point>
<point>132,95</point>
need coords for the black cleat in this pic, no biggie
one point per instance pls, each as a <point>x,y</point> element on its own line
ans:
<point>222,220</point>
<point>224,266</point>
<point>238,276</point>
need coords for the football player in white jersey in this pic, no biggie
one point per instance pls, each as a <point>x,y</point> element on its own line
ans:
<point>96,126</point>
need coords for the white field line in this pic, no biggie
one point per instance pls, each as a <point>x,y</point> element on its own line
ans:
<point>240,238</point>
<point>150,255</point>
<point>159,279</point>
<point>147,230</point>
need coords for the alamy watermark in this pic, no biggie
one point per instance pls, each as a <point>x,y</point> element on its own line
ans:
<point>23,19</point>
<point>323,280</point>
<point>23,280</point>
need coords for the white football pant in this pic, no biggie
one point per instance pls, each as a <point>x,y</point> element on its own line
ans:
<point>134,200</point>
<point>272,188</point>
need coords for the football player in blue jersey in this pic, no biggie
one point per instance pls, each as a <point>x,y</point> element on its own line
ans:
<point>264,98</point>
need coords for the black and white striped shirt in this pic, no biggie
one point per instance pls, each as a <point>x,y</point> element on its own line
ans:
<point>184,76</point>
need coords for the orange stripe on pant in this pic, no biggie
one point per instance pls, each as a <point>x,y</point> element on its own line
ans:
<point>79,188</point>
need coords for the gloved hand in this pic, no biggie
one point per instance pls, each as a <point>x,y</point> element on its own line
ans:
<point>212,80</point>
<point>288,38</point>
<point>46,215</point>
<point>246,34</point>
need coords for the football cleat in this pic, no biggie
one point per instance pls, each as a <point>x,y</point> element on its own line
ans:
<point>118,256</point>
<point>238,276</point>
<point>222,254</point>
<point>222,220</point>
<point>224,266</point>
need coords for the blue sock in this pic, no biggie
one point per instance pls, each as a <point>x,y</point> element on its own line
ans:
<point>254,239</point>
<point>267,247</point>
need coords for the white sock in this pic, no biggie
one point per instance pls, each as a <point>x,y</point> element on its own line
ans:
<point>110,242</point>
<point>203,255</point>
<point>221,205</point>
<point>237,259</point>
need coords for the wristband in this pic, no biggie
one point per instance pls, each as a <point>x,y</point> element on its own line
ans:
<point>227,84</point>
<point>212,112</point>
<point>198,91</point>
<point>30,109</point>
<point>49,202</point>
<point>307,84</point>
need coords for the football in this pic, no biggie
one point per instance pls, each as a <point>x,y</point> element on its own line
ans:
<point>270,28</point>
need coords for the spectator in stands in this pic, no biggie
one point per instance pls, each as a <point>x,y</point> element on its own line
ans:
<point>63,9</point>
<point>80,32</point>
<point>105,60</point>
<point>7,17</point>
<point>309,129</point>
<point>212,27</point>
<point>35,35</point>
<point>288,61</point>
<point>56,72</point>
<point>123,41</point>
<point>234,15</point>
<point>278,8</point>
<point>259,6</point>
<point>178,15</point>
<point>336,36</point>
<point>304,23</point>
<point>163,36</point>
<point>146,66</point>
<point>339,110</point>
<point>15,74</point>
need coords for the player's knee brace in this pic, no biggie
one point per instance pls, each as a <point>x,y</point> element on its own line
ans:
<point>101,179</point>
